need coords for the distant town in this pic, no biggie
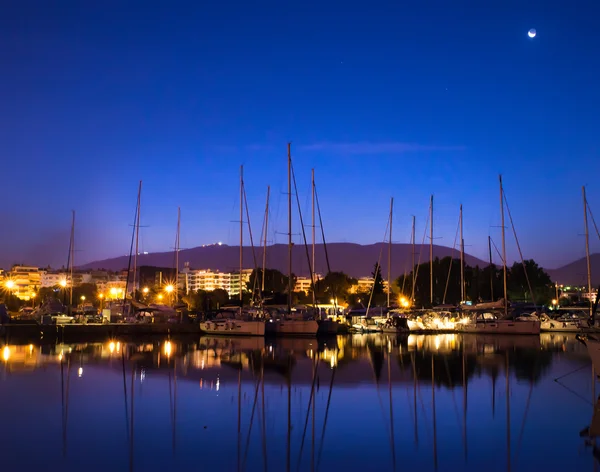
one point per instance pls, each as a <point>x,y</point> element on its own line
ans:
<point>27,282</point>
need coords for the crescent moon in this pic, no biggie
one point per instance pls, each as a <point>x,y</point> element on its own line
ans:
<point>531,33</point>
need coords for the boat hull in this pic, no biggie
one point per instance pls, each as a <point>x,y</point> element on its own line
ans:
<point>293,328</point>
<point>500,327</point>
<point>327,327</point>
<point>233,328</point>
<point>560,326</point>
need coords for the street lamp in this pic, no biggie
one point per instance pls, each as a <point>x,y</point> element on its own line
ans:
<point>145,290</point>
<point>33,294</point>
<point>10,284</point>
<point>101,297</point>
<point>63,283</point>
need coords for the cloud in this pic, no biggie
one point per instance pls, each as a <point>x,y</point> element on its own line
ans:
<point>376,148</point>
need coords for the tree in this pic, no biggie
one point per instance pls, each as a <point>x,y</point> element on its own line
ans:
<point>378,288</point>
<point>540,281</point>
<point>275,281</point>
<point>335,285</point>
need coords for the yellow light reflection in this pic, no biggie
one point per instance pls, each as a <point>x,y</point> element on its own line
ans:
<point>111,347</point>
<point>6,353</point>
<point>80,372</point>
<point>168,348</point>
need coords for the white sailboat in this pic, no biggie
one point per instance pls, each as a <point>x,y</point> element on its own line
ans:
<point>487,320</point>
<point>239,325</point>
<point>288,324</point>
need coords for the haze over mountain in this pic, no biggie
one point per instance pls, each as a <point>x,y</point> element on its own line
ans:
<point>354,259</point>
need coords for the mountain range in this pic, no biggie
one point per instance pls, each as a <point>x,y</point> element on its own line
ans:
<point>354,259</point>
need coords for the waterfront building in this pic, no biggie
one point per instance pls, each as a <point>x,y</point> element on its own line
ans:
<point>24,281</point>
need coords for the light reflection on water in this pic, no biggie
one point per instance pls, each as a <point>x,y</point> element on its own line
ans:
<point>431,402</point>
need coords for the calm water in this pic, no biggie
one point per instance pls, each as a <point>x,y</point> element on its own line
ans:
<point>380,403</point>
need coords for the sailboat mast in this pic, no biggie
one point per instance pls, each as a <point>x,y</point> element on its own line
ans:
<point>431,251</point>
<point>492,270</point>
<point>462,258</point>
<point>137,237</point>
<point>312,275</point>
<point>72,257</point>
<point>389,274</point>
<point>587,251</point>
<point>177,244</point>
<point>413,271</point>
<point>290,284</point>
<point>503,247</point>
<point>241,235</point>
<point>264,261</point>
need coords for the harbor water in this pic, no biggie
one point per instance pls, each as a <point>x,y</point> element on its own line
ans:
<point>361,402</point>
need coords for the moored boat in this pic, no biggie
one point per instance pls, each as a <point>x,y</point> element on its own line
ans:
<point>233,327</point>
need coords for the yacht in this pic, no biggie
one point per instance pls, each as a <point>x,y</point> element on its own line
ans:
<point>233,327</point>
<point>489,323</point>
<point>289,326</point>
<point>567,323</point>
<point>395,325</point>
<point>593,347</point>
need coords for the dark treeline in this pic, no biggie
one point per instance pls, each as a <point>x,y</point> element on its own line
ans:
<point>481,284</point>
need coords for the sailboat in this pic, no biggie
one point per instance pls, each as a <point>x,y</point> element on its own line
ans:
<point>239,325</point>
<point>290,324</point>
<point>487,321</point>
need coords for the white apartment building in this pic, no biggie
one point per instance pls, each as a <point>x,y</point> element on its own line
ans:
<point>304,284</point>
<point>63,279</point>
<point>365,284</point>
<point>24,281</point>
<point>205,279</point>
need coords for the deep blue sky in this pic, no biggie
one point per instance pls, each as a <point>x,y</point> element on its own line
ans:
<point>383,99</point>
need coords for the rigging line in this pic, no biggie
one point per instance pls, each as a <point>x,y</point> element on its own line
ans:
<point>451,262</point>
<point>333,288</point>
<point>310,269</point>
<point>377,267</point>
<point>251,423</point>
<point>310,404</point>
<point>497,251</point>
<point>326,416</point>
<point>125,391</point>
<point>520,440</point>
<point>420,254</point>
<point>407,266</point>
<point>249,228</point>
<point>519,248</point>
<point>264,421</point>
<point>593,220</point>
<point>447,366</point>
<point>135,216</point>
<point>572,372</point>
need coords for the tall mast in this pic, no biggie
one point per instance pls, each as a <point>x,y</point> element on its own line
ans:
<point>492,270</point>
<point>503,247</point>
<point>413,258</point>
<point>312,275</point>
<point>462,258</point>
<point>137,238</point>
<point>389,274</point>
<point>431,250</point>
<point>290,285</point>
<point>241,235</point>
<point>72,257</point>
<point>587,251</point>
<point>264,261</point>
<point>177,244</point>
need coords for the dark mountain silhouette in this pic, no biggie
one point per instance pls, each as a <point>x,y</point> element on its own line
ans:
<point>353,259</point>
<point>575,273</point>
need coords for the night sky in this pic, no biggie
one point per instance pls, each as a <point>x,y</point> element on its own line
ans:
<point>383,99</point>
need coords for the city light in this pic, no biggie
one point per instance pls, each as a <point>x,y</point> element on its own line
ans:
<point>9,284</point>
<point>145,290</point>
<point>113,291</point>
<point>63,283</point>
<point>404,302</point>
<point>169,288</point>
<point>160,296</point>
<point>82,298</point>
<point>100,296</point>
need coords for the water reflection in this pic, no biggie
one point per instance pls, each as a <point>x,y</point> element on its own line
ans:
<point>436,402</point>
